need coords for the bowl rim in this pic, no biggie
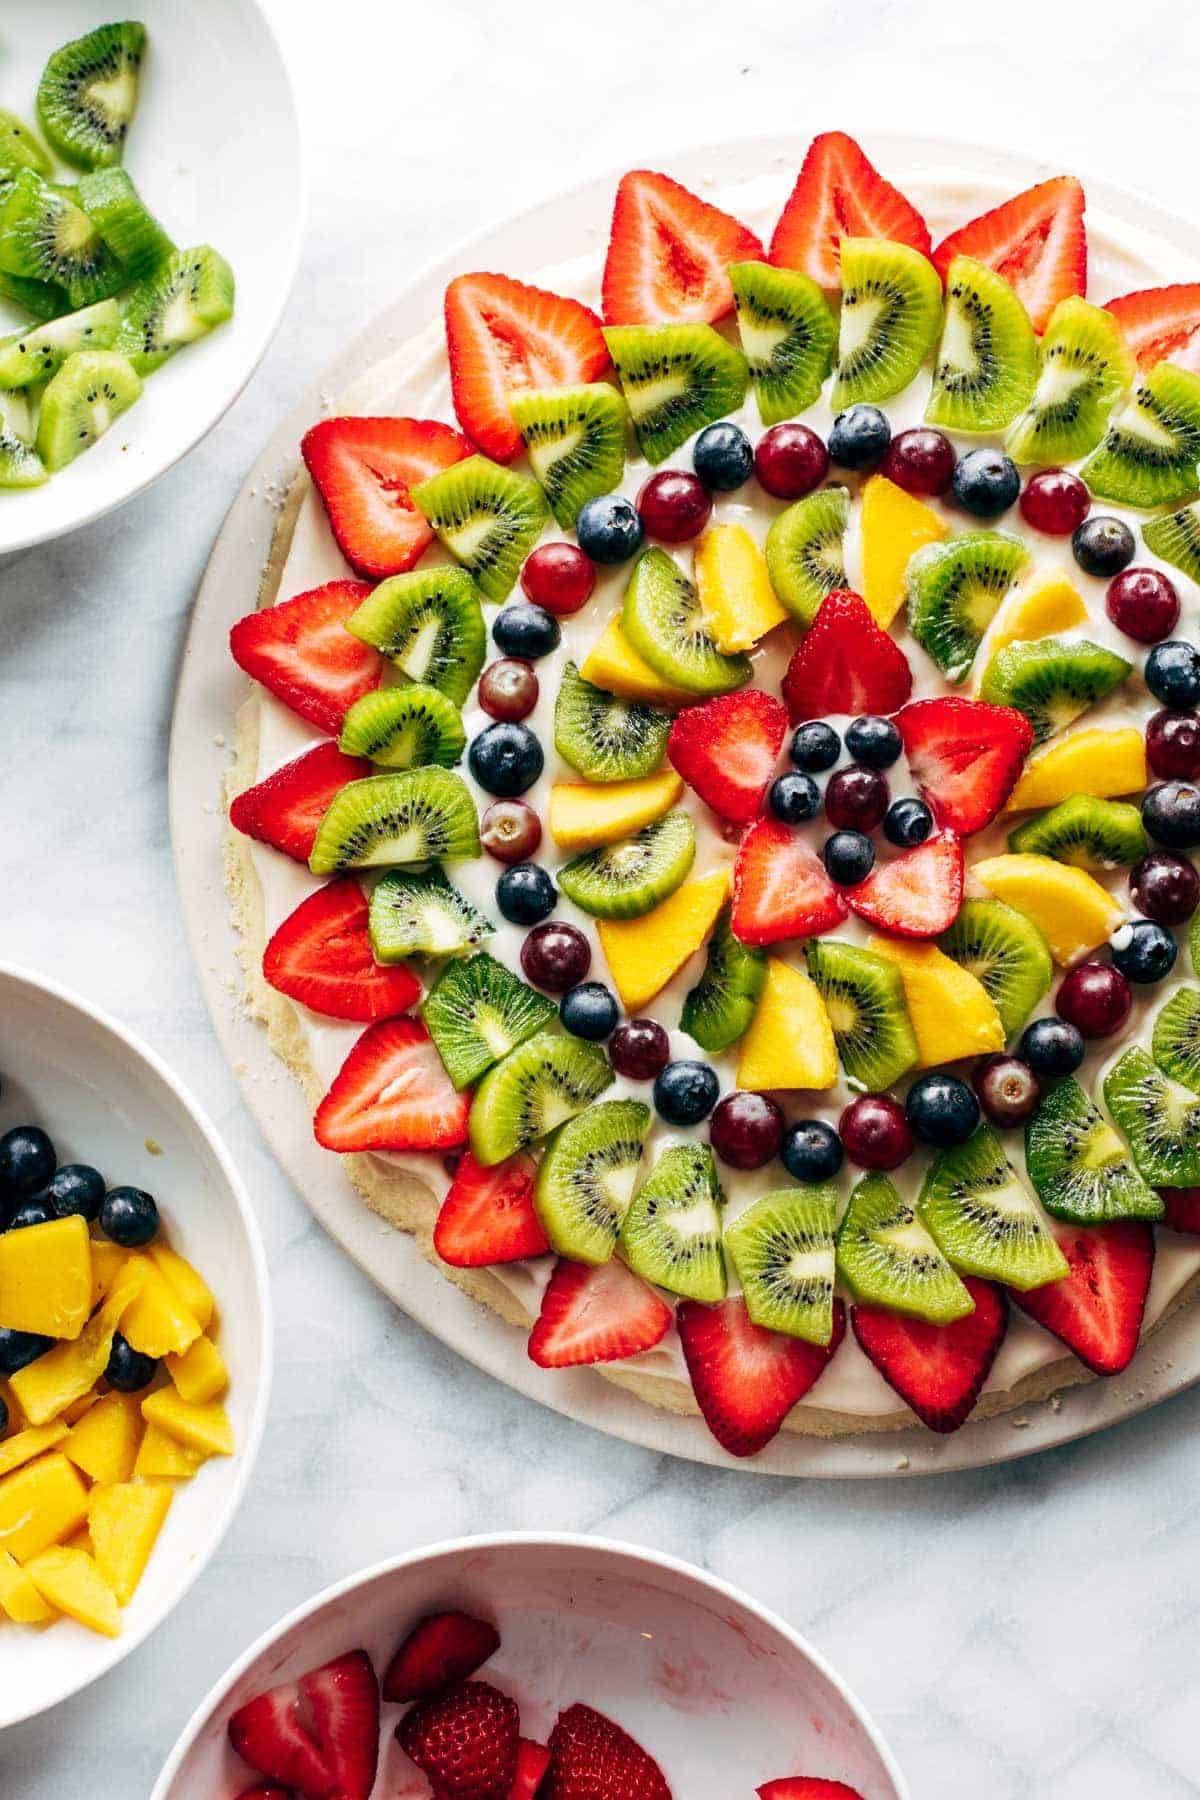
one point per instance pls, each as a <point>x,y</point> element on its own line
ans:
<point>117,1649</point>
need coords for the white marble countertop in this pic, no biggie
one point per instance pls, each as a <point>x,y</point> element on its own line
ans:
<point>1017,1633</point>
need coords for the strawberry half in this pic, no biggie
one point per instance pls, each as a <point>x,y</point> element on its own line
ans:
<point>488,1215</point>
<point>668,253</point>
<point>437,1654</point>
<point>806,1787</point>
<point>937,1370</point>
<point>303,653</point>
<point>532,1762</point>
<point>321,955</point>
<point>319,1735</point>
<point>727,750</point>
<point>392,1093</point>
<point>781,888</point>
<point>1161,324</point>
<point>1096,1310</point>
<point>747,1380</point>
<point>464,1741</point>
<point>591,1758</point>
<point>502,334</point>
<point>286,808</point>
<point>592,1315</point>
<point>1036,240</point>
<point>363,470</point>
<point>916,894</point>
<point>846,663</point>
<point>965,756</point>
<point>840,193</point>
<point>1183,1209</point>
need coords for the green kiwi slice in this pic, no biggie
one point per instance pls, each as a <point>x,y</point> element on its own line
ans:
<point>1007,955</point>
<point>430,624</point>
<point>886,1257</point>
<point>864,997</point>
<point>418,816</point>
<point>585,1180</point>
<point>782,1248</point>
<point>538,1086</point>
<point>672,1232</point>
<point>676,379</point>
<point>404,728</point>
<point>1078,1164</point>
<point>1150,454</point>
<point>603,737</point>
<point>41,300</point>
<point>32,356</point>
<point>1086,832</point>
<point>987,357</point>
<point>488,517</point>
<point>804,550</point>
<point>416,912</point>
<point>187,296</point>
<point>983,1218</point>
<point>1052,680</point>
<point>1084,367</point>
<point>629,878</point>
<point>663,620</point>
<point>718,1010</point>
<point>477,1011</point>
<point>89,393</point>
<point>20,464</point>
<point>120,215</point>
<point>788,334</point>
<point>1160,1118</point>
<point>1175,1045</point>
<point>88,94</point>
<point>45,237</point>
<point>575,441</point>
<point>954,589</point>
<point>891,309</point>
<point>20,147</point>
<point>1176,539</point>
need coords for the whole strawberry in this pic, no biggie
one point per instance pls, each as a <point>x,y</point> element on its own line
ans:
<point>593,1759</point>
<point>465,1741</point>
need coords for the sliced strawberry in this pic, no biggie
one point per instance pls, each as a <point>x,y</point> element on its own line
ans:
<point>1183,1209</point>
<point>937,1370</point>
<point>1097,1309</point>
<point>727,749</point>
<point>591,1758</point>
<point>285,808</point>
<point>321,955</point>
<point>965,756</point>
<point>1036,240</point>
<point>747,1380</point>
<point>363,470</point>
<point>668,253</point>
<point>840,193</point>
<point>592,1315</point>
<point>781,888</point>
<point>532,1762</point>
<point>502,334</point>
<point>465,1741</point>
<point>807,1787</point>
<point>488,1215</point>
<point>916,894</point>
<point>437,1654</point>
<point>319,1735</point>
<point>846,663</point>
<point>303,653</point>
<point>392,1093</point>
<point>1161,324</point>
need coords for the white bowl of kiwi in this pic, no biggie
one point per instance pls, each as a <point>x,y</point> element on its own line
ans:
<point>145,258</point>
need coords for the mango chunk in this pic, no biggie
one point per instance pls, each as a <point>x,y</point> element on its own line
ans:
<point>70,1581</point>
<point>1096,761</point>
<point>643,954</point>
<point>48,1386</point>
<point>895,526</point>
<point>19,1598</point>
<point>582,817</point>
<point>23,1446</point>
<point>200,1373</point>
<point>186,1280</point>
<point>107,1262</point>
<point>952,1013</point>
<point>156,1321</point>
<point>125,1521</point>
<point>736,597</point>
<point>72,1414</point>
<point>41,1504</point>
<point>105,1442</point>
<point>790,1043</point>
<point>204,1428</point>
<point>1068,906</point>
<point>46,1278</point>
<point>612,663</point>
<point>163,1457</point>
<point>1052,604</point>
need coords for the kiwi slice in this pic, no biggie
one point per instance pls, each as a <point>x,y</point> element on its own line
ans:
<point>89,393</point>
<point>886,1257</point>
<point>1007,955</point>
<point>418,816</point>
<point>1176,539</point>
<point>488,517</point>
<point>1160,1118</point>
<point>663,620</point>
<point>891,309</point>
<point>20,464</point>
<point>1085,832</point>
<point>672,1231</point>
<point>954,589</point>
<point>676,379</point>
<point>430,624</point>
<point>32,356</point>
<point>575,440</point>
<point>88,94</point>
<point>603,737</point>
<point>718,1010</point>
<point>418,913</point>
<point>864,997</point>
<point>45,237</point>
<point>20,147</point>
<point>120,215</point>
<point>40,299</point>
<point>1052,680</point>
<point>1175,1044</point>
<point>585,1180</point>
<point>404,728</point>
<point>788,335</point>
<point>782,1249</point>
<point>629,878</point>
<point>187,297</point>
<point>1084,367</point>
<point>983,1218</point>
<point>1150,454</point>
<point>805,556</point>
<point>477,1011</point>
<point>1079,1166</point>
<point>540,1085</point>
<point>987,357</point>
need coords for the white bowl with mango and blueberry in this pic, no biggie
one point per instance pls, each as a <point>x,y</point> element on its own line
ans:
<point>769,962</point>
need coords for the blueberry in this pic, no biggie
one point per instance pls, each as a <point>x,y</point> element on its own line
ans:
<point>1173,674</point>
<point>812,1151</point>
<point>941,1110</point>
<point>723,457</point>
<point>75,1188</point>
<point>27,1160</point>
<point>815,747</point>
<point>34,1211</point>
<point>609,529</point>
<point>1144,952</point>
<point>506,759</point>
<point>129,1217</point>
<point>873,741</point>
<point>526,631</point>
<point>985,483</point>
<point>907,822</point>
<point>686,1092</point>
<point>19,1348</point>
<point>860,438</point>
<point>1171,814</point>
<point>849,857</point>
<point>1103,545</point>
<point>794,798</point>
<point>589,1011</point>
<point>129,1370</point>
<point>1052,1047</point>
<point>525,894</point>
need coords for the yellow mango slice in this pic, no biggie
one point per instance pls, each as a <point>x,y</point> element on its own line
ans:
<point>582,816</point>
<point>23,1446</point>
<point>1052,604</point>
<point>790,1043</point>
<point>40,1505</point>
<point>200,1373</point>
<point>72,1414</point>
<point>737,600</point>
<point>46,1278</point>
<point>1068,906</point>
<point>19,1598</point>
<point>643,954</point>
<point>951,1011</point>
<point>1097,761</point>
<point>163,1457</point>
<point>125,1521</point>
<point>107,1262</point>
<point>186,1280</point>
<point>204,1428</point>
<point>105,1442</point>
<point>70,1580</point>
<point>613,664</point>
<point>156,1321</point>
<point>67,1373</point>
<point>895,526</point>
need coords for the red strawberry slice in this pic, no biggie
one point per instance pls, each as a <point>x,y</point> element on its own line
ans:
<point>937,1370</point>
<point>846,663</point>
<point>319,1735</point>
<point>465,1741</point>
<point>591,1758</point>
<point>781,888</point>
<point>1097,1309</point>
<point>1183,1209</point>
<point>1161,324</point>
<point>532,1762</point>
<point>592,1315</point>
<point>392,1093</point>
<point>437,1654</point>
<point>286,808</point>
<point>363,470</point>
<point>916,894</point>
<point>727,750</point>
<point>1036,240</point>
<point>502,334</point>
<point>747,1380</point>
<point>302,651</point>
<point>965,756</point>
<point>488,1215</point>
<point>807,1787</point>
<point>840,193</point>
<point>321,955</point>
<point>668,253</point>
